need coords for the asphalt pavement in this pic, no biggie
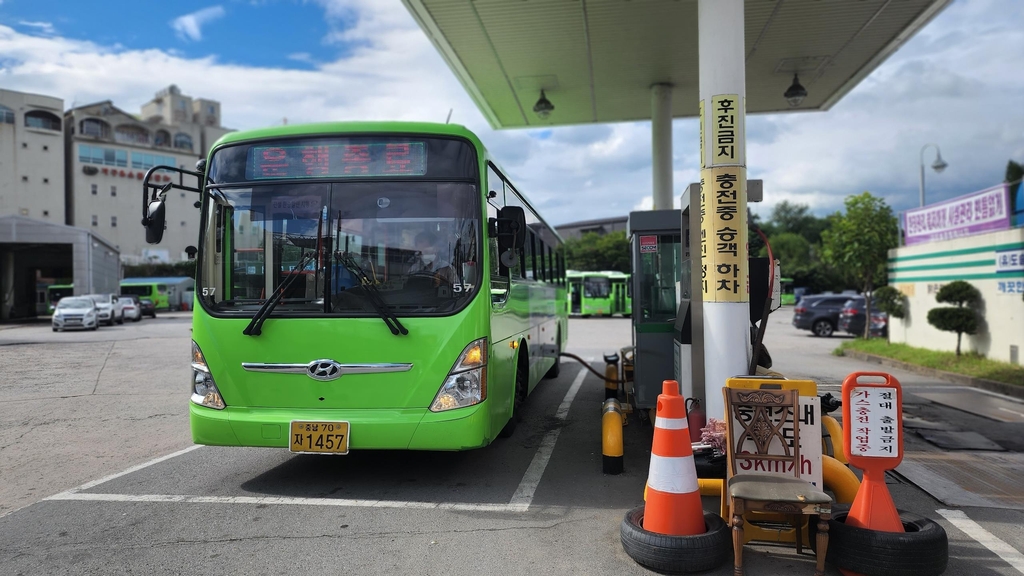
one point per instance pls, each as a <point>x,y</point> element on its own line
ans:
<point>99,475</point>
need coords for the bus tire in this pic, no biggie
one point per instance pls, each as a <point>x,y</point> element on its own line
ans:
<point>518,399</point>
<point>923,549</point>
<point>676,554</point>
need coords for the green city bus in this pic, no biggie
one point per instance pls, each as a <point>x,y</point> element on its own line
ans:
<point>590,294</point>
<point>54,292</point>
<point>155,291</point>
<point>365,286</point>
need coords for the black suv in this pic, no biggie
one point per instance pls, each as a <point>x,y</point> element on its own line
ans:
<point>852,316</point>
<point>820,313</point>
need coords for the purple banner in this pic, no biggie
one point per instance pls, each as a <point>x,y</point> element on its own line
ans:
<point>974,213</point>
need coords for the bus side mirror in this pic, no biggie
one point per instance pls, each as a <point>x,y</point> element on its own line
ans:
<point>154,222</point>
<point>191,252</point>
<point>511,228</point>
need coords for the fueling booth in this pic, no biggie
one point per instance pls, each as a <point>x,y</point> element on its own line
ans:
<point>667,310</point>
<point>657,251</point>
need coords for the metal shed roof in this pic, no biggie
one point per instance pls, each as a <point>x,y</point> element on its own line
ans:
<point>596,59</point>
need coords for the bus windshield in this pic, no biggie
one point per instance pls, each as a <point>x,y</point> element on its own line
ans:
<point>416,243</point>
<point>596,287</point>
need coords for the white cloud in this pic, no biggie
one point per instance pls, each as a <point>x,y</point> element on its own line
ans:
<point>956,84</point>
<point>42,27</point>
<point>190,26</point>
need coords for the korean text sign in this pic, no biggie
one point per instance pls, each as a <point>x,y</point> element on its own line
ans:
<point>873,421</point>
<point>974,213</point>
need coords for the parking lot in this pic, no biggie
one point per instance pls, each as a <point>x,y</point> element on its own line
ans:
<point>100,476</point>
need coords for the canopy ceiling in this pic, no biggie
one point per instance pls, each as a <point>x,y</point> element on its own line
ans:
<point>596,59</point>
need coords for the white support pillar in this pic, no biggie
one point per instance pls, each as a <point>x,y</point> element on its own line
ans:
<point>723,214</point>
<point>661,145</point>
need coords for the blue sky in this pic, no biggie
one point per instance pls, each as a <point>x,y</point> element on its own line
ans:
<point>958,83</point>
<point>285,28</point>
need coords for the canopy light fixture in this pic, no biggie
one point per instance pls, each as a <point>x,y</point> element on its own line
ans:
<point>543,107</point>
<point>796,93</point>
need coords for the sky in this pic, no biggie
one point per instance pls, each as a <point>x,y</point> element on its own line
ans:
<point>958,83</point>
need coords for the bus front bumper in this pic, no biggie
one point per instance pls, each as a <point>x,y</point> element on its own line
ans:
<point>378,429</point>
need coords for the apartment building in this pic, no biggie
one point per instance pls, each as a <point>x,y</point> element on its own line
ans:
<point>108,154</point>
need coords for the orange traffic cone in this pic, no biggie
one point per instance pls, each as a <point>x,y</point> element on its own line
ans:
<point>673,496</point>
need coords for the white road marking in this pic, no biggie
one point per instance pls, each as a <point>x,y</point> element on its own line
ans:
<point>274,500</point>
<point>1009,554</point>
<point>528,485</point>
<point>1021,414</point>
<point>96,483</point>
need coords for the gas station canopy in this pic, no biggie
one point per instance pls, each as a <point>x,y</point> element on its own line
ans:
<point>596,60</point>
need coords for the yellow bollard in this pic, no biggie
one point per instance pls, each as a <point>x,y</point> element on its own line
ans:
<point>611,375</point>
<point>611,437</point>
<point>835,433</point>
<point>839,479</point>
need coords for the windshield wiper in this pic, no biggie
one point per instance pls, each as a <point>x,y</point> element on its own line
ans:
<point>255,326</point>
<point>373,295</point>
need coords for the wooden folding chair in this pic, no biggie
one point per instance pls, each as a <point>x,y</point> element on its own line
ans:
<point>757,422</point>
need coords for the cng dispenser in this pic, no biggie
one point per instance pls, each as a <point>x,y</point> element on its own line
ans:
<point>657,252</point>
<point>668,324</point>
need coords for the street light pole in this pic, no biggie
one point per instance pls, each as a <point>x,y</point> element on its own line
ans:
<point>939,165</point>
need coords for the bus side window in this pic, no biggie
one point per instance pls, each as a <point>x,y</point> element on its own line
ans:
<point>529,264</point>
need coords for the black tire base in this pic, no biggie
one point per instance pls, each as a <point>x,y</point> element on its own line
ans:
<point>676,554</point>
<point>922,550</point>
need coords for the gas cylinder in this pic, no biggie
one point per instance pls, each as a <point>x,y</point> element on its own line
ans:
<point>695,419</point>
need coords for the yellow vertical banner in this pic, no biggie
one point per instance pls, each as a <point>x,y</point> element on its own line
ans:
<point>724,123</point>
<point>723,234</point>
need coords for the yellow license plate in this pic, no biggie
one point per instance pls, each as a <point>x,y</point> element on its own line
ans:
<point>319,437</point>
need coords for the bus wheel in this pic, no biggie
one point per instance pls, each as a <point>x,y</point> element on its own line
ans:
<point>517,401</point>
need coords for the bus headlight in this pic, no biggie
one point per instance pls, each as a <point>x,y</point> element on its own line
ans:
<point>466,384</point>
<point>204,389</point>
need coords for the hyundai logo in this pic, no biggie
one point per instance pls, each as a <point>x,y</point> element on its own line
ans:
<point>323,370</point>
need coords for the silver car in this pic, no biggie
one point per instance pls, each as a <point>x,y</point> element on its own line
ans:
<point>75,313</point>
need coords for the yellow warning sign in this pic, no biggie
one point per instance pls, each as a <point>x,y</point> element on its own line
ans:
<point>726,138</point>
<point>723,234</point>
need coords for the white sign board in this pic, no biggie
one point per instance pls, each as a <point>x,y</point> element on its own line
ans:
<point>1010,260</point>
<point>875,427</point>
<point>810,446</point>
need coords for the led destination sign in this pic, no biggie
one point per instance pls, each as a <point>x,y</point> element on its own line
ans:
<point>351,160</point>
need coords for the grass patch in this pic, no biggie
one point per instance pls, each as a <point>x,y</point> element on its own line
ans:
<point>969,364</point>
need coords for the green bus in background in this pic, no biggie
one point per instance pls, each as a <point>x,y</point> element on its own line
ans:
<point>621,293</point>
<point>54,292</point>
<point>788,298</point>
<point>590,293</point>
<point>365,286</point>
<point>155,291</point>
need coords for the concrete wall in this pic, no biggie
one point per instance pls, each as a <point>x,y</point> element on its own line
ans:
<point>920,271</point>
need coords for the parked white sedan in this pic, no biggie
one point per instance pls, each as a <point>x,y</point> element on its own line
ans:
<point>131,308</point>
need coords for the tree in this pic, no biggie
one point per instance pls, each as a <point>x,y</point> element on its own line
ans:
<point>857,243</point>
<point>792,250</point>
<point>891,301</point>
<point>961,318</point>
<point>796,218</point>
<point>595,252</point>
